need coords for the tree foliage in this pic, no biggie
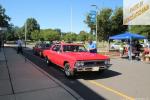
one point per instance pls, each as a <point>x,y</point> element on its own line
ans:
<point>70,37</point>
<point>104,24</point>
<point>13,32</point>
<point>4,19</point>
<point>50,34</point>
<point>10,34</point>
<point>117,22</point>
<point>109,23</point>
<point>141,29</point>
<point>83,36</point>
<point>90,24</point>
<point>31,26</point>
<point>35,35</point>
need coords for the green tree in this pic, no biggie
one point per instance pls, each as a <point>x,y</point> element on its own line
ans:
<point>31,26</point>
<point>91,25</point>
<point>117,22</point>
<point>13,32</point>
<point>10,34</point>
<point>141,29</point>
<point>4,19</point>
<point>70,37</point>
<point>50,34</point>
<point>20,32</point>
<point>109,23</point>
<point>58,30</point>
<point>35,35</point>
<point>83,36</point>
<point>104,24</point>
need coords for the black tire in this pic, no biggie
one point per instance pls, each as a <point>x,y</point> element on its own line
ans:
<point>102,71</point>
<point>40,54</point>
<point>34,52</point>
<point>47,61</point>
<point>67,71</point>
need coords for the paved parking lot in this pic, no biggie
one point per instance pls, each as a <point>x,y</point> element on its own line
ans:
<point>125,80</point>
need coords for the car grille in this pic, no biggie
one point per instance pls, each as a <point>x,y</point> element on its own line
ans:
<point>93,63</point>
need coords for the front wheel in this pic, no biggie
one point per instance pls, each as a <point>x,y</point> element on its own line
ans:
<point>68,71</point>
<point>102,71</point>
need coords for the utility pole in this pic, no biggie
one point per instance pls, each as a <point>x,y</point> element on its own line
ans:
<point>25,33</point>
<point>96,20</point>
<point>71,19</point>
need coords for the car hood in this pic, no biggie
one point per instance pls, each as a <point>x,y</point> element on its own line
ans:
<point>85,56</point>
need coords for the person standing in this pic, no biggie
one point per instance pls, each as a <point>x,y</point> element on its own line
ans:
<point>19,44</point>
<point>121,49</point>
<point>138,47</point>
<point>92,47</point>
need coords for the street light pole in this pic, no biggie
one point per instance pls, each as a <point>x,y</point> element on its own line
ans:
<point>96,21</point>
<point>25,33</point>
<point>96,27</point>
<point>71,18</point>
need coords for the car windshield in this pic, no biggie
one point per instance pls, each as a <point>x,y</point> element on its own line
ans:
<point>47,45</point>
<point>74,48</point>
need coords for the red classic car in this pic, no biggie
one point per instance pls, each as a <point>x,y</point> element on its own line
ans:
<point>39,47</point>
<point>75,58</point>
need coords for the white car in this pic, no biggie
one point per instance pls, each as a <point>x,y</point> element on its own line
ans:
<point>115,46</point>
<point>145,45</point>
<point>148,45</point>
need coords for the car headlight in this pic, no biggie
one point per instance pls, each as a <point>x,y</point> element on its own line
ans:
<point>79,64</point>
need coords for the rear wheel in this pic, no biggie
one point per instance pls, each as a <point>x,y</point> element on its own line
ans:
<point>34,52</point>
<point>68,71</point>
<point>47,61</point>
<point>40,54</point>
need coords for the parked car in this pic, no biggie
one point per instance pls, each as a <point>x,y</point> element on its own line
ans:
<point>115,46</point>
<point>148,44</point>
<point>74,58</point>
<point>39,47</point>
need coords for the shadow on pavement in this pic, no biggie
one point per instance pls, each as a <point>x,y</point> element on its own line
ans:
<point>97,75</point>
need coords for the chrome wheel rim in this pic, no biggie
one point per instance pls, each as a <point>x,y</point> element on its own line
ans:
<point>67,70</point>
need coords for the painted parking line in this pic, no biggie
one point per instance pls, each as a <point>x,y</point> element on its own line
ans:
<point>112,90</point>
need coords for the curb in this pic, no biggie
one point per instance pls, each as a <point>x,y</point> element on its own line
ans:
<point>72,92</point>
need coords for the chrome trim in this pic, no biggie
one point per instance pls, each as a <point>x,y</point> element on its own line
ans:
<point>91,63</point>
<point>90,68</point>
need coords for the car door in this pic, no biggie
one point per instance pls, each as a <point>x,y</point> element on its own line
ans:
<point>55,54</point>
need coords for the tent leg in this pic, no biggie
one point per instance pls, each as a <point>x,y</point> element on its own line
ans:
<point>108,45</point>
<point>130,50</point>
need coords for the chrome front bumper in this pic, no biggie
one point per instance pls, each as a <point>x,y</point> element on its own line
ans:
<point>95,68</point>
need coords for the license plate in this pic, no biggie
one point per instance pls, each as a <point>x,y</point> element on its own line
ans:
<point>95,69</point>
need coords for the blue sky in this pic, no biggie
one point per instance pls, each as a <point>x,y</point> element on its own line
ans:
<point>55,13</point>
